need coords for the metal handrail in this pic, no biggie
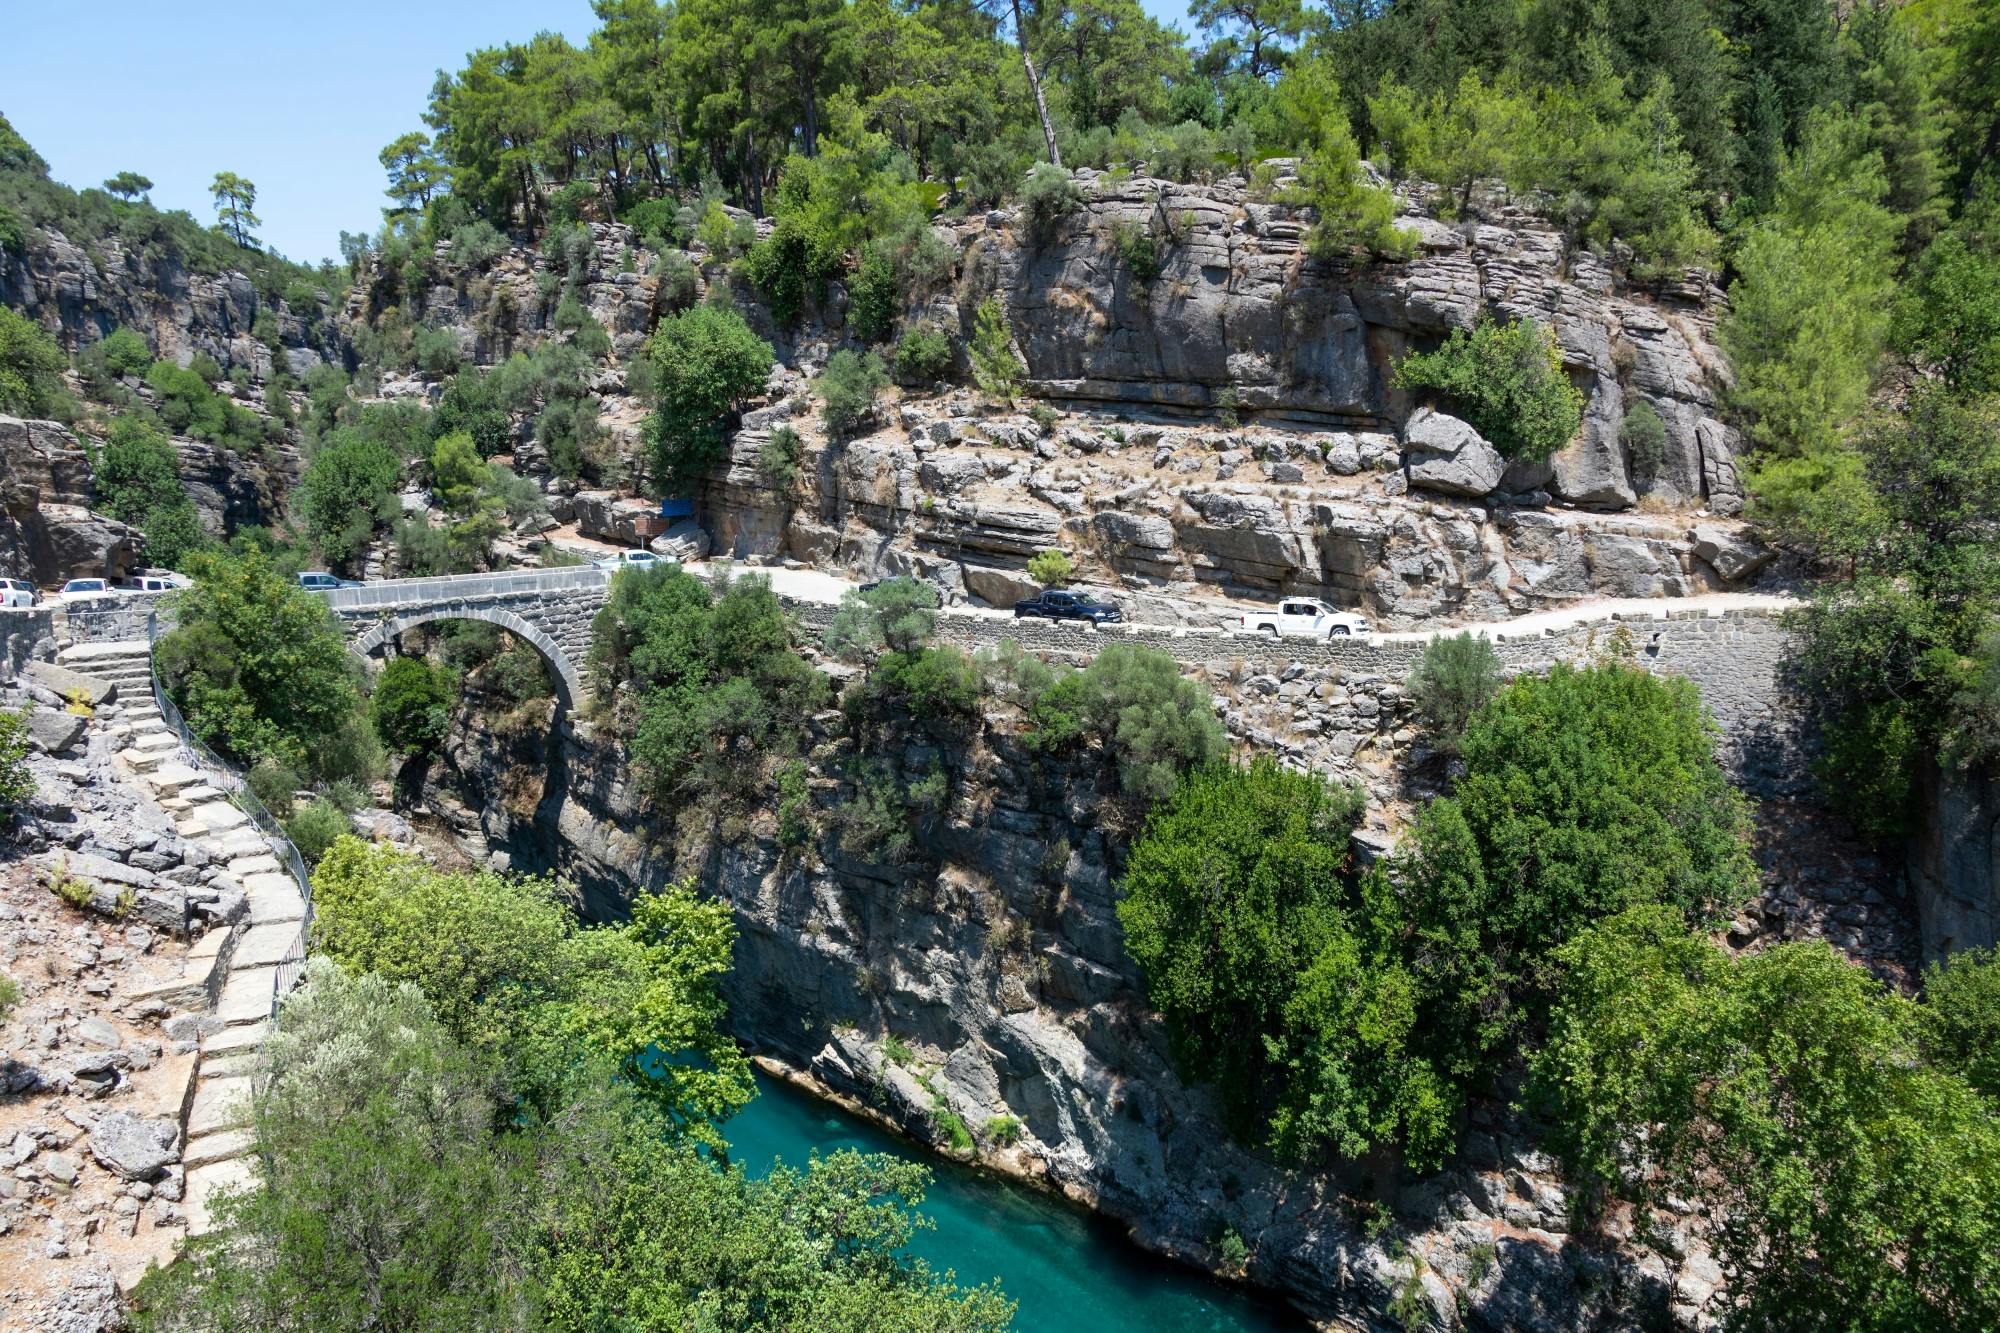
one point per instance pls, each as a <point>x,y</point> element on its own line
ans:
<point>233,785</point>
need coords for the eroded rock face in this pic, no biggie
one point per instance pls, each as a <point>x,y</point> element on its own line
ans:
<point>48,532</point>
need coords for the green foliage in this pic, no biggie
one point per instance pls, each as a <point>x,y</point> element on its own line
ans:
<point>1456,677</point>
<point>31,367</point>
<point>316,827</point>
<point>1048,197</point>
<point>927,684</point>
<point>348,488</point>
<point>125,352</point>
<point>189,405</point>
<point>848,388</point>
<point>1507,381</point>
<point>778,459</point>
<point>137,476</point>
<point>1959,1024</point>
<point>1133,699</point>
<point>411,705</point>
<point>995,367</point>
<point>874,295</point>
<point>259,667</point>
<point>1350,213</point>
<point>795,806</point>
<point>234,198</point>
<point>1854,1184</point>
<point>17,784</point>
<point>275,785</point>
<point>1051,569</point>
<point>1948,316</point>
<point>1136,249</point>
<point>1644,437</point>
<point>1002,1131</point>
<point>923,356</point>
<point>10,996</point>
<point>899,614</point>
<point>707,362</point>
<point>718,686</point>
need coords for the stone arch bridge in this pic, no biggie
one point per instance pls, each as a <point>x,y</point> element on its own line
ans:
<point>551,609</point>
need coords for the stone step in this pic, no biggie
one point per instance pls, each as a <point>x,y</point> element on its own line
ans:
<point>236,1040</point>
<point>144,761</point>
<point>273,906</point>
<point>246,996</point>
<point>202,1184</point>
<point>171,778</point>
<point>232,1066</point>
<point>219,1147</point>
<point>265,945</point>
<point>200,793</point>
<point>110,650</point>
<point>154,738</point>
<point>220,1104</point>
<point>212,817</point>
<point>263,863</point>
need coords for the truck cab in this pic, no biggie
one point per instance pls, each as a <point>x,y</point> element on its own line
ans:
<point>1303,618</point>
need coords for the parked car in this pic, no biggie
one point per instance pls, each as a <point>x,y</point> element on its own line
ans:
<point>1304,618</point>
<point>156,582</point>
<point>17,593</point>
<point>78,591</point>
<point>1068,604</point>
<point>630,560</point>
<point>318,580</point>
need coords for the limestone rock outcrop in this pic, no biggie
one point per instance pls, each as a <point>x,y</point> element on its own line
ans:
<point>48,531</point>
<point>1445,454</point>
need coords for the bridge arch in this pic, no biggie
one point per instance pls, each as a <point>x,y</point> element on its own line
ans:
<point>569,683</point>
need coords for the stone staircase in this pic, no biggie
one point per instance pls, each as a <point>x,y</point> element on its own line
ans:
<point>215,1129</point>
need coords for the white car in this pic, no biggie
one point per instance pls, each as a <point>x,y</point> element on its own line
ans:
<point>87,590</point>
<point>16,593</point>
<point>157,582</point>
<point>630,560</point>
<point>1304,618</point>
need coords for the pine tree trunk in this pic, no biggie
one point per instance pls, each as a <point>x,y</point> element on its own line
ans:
<point>1035,83</point>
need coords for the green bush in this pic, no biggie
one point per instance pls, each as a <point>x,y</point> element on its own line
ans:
<point>1456,677</point>
<point>348,488</point>
<point>125,352</point>
<point>314,828</point>
<point>1136,249</point>
<point>848,388</point>
<point>1002,1131</point>
<point>1746,1078</point>
<point>778,459</point>
<point>1047,197</point>
<point>31,367</point>
<point>795,806</point>
<point>137,476</point>
<point>899,614</point>
<point>1644,436</point>
<point>17,784</point>
<point>707,361</point>
<point>411,705</point>
<point>1507,381</point>
<point>995,368</point>
<point>874,295</point>
<point>717,683</point>
<point>260,668</point>
<point>1051,569</point>
<point>275,785</point>
<point>923,356</point>
<point>931,684</point>
<point>1960,1024</point>
<point>477,244</point>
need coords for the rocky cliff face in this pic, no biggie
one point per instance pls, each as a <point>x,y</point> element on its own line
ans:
<point>1954,861</point>
<point>78,296</point>
<point>48,532</point>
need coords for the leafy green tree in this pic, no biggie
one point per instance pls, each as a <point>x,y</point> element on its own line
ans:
<point>316,826</point>
<point>129,185</point>
<point>707,362</point>
<point>411,705</point>
<point>1507,381</point>
<point>31,367</point>
<point>1948,315</point>
<point>137,478</point>
<point>1852,1184</point>
<point>1959,1026</point>
<point>1265,28</point>
<point>718,688</point>
<point>996,369</point>
<point>923,356</point>
<point>234,198</point>
<point>125,352</point>
<point>848,389</point>
<point>508,970</point>
<point>1456,677</point>
<point>259,666</point>
<point>898,614</point>
<point>415,172</point>
<point>348,488</point>
<point>1158,723</point>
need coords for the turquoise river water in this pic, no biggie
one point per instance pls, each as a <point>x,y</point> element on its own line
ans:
<point>1070,1271</point>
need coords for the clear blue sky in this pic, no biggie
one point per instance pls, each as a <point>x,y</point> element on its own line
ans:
<point>299,97</point>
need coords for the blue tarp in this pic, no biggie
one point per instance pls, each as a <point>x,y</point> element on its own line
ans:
<point>677,506</point>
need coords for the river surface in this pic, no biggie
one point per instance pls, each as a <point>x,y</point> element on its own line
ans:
<point>1069,1270</point>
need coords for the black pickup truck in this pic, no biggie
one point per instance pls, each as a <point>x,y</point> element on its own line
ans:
<point>1066,605</point>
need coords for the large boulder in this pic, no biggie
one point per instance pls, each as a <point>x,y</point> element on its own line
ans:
<point>1448,455</point>
<point>1732,556</point>
<point>54,730</point>
<point>70,684</point>
<point>685,541</point>
<point>133,1147</point>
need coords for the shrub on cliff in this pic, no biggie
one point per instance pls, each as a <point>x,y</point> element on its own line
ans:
<point>411,705</point>
<point>31,367</point>
<point>1507,381</point>
<point>349,487</point>
<point>1787,1094</point>
<point>16,783</point>
<point>137,474</point>
<point>899,614</point>
<point>1452,681</point>
<point>923,356</point>
<point>995,367</point>
<point>716,686</point>
<point>848,388</point>
<point>316,826</point>
<point>706,363</point>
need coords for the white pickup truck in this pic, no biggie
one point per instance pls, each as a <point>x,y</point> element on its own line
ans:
<point>1303,618</point>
